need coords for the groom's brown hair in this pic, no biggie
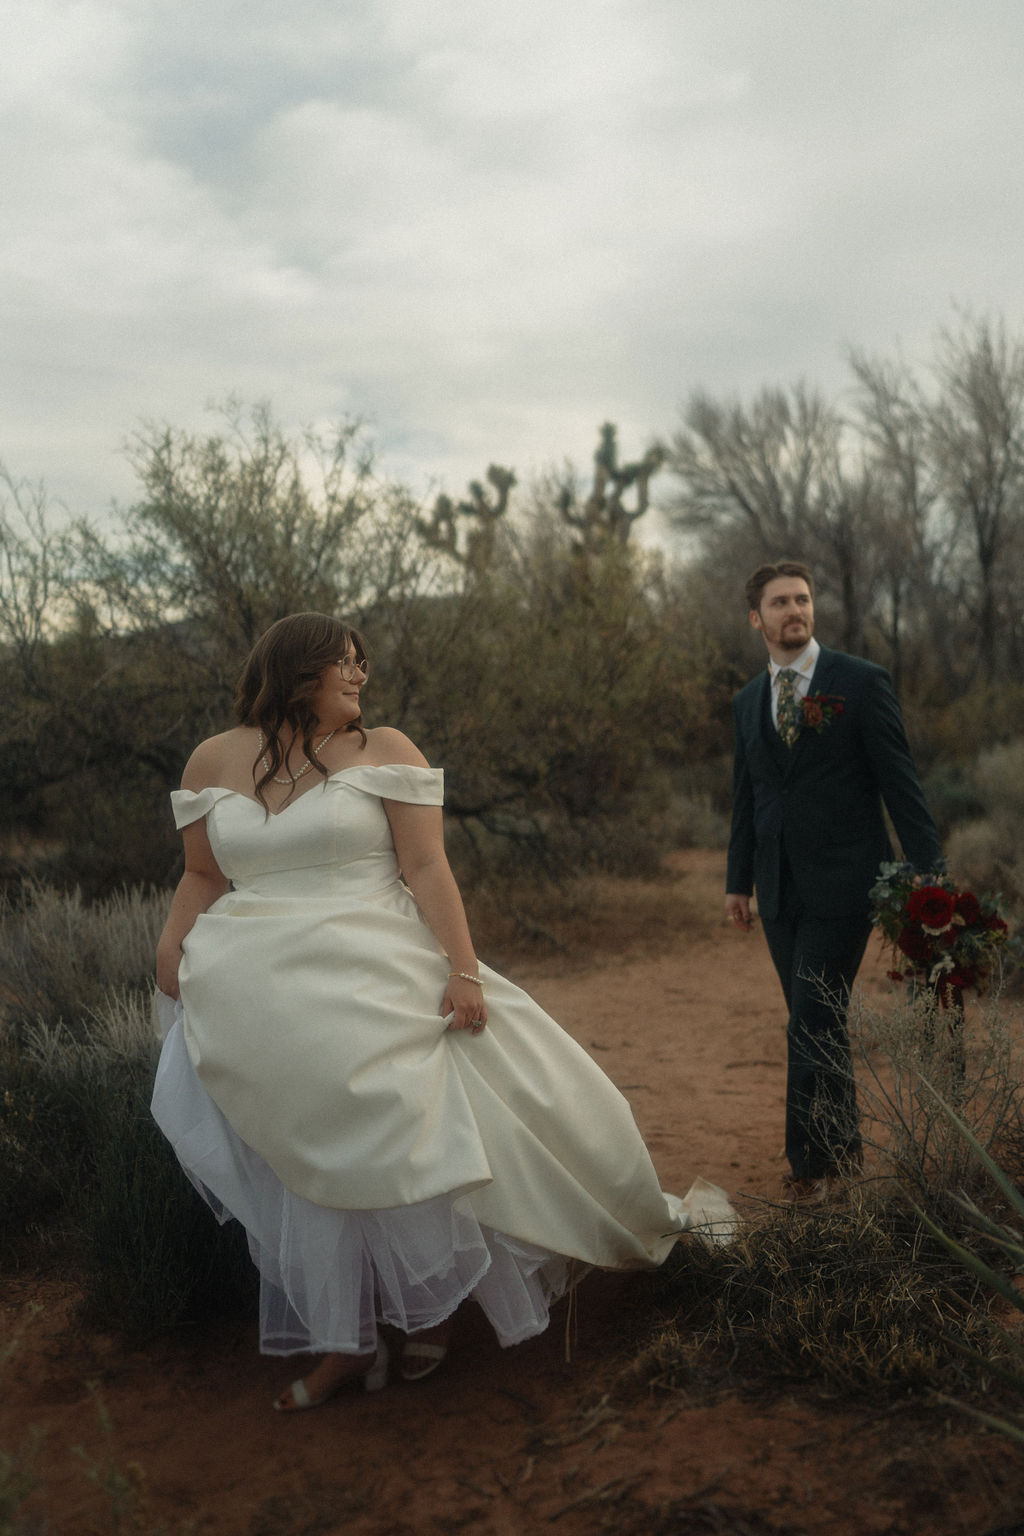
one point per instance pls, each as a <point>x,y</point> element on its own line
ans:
<point>766,573</point>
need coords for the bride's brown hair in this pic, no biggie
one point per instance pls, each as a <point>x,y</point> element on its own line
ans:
<point>281,674</point>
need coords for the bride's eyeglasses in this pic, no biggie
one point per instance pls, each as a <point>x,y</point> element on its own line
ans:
<point>350,668</point>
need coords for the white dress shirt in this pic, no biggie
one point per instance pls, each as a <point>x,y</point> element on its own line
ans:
<point>803,666</point>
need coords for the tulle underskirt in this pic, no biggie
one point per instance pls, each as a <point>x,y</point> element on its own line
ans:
<point>329,1277</point>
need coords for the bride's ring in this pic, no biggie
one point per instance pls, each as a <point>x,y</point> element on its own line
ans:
<point>476,1026</point>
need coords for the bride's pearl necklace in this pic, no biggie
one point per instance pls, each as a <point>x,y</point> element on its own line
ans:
<point>307,765</point>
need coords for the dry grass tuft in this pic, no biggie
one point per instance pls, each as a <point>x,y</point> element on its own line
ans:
<point>865,1298</point>
<point>60,957</point>
<point>853,1301</point>
<point>901,1055</point>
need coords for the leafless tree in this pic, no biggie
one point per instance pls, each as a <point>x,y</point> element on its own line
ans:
<point>975,430</point>
<point>776,478</point>
<point>36,563</point>
<point>912,552</point>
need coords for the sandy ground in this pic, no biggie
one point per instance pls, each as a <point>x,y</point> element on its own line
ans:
<point>519,1441</point>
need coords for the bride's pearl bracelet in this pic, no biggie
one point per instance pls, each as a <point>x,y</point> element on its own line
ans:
<point>465,976</point>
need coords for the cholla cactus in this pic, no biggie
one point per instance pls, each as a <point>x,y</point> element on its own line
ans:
<point>482,512</point>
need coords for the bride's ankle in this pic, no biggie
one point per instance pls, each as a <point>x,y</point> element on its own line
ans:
<point>440,1333</point>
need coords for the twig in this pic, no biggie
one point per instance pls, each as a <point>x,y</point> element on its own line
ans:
<point>614,1489</point>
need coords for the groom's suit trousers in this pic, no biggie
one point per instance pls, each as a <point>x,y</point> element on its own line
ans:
<point>817,959</point>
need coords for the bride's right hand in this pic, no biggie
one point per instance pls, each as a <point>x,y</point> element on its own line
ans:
<point>167,971</point>
<point>464,1005</point>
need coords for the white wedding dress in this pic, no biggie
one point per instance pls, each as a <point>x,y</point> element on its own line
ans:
<point>384,1167</point>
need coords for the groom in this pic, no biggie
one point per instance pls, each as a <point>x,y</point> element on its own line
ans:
<point>820,746</point>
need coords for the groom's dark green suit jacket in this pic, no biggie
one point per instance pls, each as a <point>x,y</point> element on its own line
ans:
<point>817,806</point>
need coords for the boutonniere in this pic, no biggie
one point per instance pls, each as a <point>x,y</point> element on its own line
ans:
<point>819,708</point>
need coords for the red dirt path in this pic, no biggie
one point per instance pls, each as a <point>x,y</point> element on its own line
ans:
<point>511,1443</point>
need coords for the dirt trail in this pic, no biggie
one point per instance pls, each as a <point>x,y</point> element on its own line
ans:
<point>520,1441</point>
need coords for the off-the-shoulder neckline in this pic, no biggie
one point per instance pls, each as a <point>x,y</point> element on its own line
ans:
<point>222,789</point>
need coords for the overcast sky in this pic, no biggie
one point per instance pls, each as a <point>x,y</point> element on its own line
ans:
<point>486,226</point>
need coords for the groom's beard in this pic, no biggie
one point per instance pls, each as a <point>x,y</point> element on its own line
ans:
<point>796,636</point>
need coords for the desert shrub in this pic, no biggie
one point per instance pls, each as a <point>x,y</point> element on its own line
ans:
<point>952,732</point>
<point>555,850</point>
<point>152,1253</point>
<point>585,916</point>
<point>952,795</point>
<point>988,852</point>
<point>864,1296</point>
<point>696,823</point>
<point>39,1144</point>
<point>80,1155</point>
<point>902,1055</point>
<point>60,956</point>
<point>998,1268</point>
<point>840,1300</point>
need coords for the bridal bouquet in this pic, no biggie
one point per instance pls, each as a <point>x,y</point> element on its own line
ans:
<point>943,937</point>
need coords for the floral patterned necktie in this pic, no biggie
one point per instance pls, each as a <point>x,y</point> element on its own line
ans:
<point>789,710</point>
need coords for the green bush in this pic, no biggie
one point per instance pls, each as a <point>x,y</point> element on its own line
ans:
<point>152,1253</point>
<point>79,1150</point>
<point>952,795</point>
<point>988,852</point>
<point>39,1147</point>
<point>61,957</point>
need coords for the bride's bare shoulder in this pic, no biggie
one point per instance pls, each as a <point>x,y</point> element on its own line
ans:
<point>385,745</point>
<point>220,761</point>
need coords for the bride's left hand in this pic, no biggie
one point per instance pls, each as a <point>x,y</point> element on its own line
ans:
<point>465,1001</point>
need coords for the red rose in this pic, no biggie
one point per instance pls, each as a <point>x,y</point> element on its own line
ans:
<point>837,706</point>
<point>812,713</point>
<point>968,907</point>
<point>915,946</point>
<point>995,924</point>
<point>931,906</point>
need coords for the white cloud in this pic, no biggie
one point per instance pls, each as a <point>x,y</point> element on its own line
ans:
<point>491,227</point>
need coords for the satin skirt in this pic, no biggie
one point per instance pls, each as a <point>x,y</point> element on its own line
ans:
<point>330,1277</point>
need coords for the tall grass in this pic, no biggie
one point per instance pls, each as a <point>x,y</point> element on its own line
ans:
<point>150,1248</point>
<point>902,1055</point>
<point>868,1296</point>
<point>82,1163</point>
<point>60,957</point>
<point>841,1301</point>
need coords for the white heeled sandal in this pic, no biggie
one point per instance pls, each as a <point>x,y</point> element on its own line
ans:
<point>373,1379</point>
<point>430,1354</point>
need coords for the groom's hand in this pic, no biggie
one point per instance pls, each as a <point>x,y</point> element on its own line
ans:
<point>737,910</point>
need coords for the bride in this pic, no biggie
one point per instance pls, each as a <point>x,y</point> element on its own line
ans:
<point>396,1126</point>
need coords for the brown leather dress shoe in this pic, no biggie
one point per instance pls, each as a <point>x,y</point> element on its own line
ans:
<point>806,1191</point>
